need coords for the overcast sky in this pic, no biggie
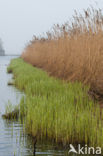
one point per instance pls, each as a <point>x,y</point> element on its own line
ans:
<point>21,19</point>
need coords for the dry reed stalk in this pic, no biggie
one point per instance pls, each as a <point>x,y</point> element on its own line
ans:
<point>73,51</point>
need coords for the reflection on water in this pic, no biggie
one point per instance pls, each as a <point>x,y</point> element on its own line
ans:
<point>13,141</point>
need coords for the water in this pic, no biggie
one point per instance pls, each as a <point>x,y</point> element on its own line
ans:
<point>13,140</point>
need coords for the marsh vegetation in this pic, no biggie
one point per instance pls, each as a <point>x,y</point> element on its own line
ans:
<point>72,51</point>
<point>56,110</point>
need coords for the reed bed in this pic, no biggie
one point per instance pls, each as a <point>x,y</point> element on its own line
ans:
<point>72,51</point>
<point>56,110</point>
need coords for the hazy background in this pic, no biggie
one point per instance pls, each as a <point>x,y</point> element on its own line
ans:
<point>21,19</point>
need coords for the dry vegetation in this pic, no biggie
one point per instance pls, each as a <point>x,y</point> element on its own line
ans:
<point>72,51</point>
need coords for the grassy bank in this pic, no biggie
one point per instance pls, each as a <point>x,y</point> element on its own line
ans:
<point>72,51</point>
<point>56,110</point>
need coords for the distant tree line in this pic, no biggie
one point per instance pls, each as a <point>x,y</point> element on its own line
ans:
<point>2,51</point>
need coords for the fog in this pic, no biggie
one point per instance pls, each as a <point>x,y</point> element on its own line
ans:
<point>21,19</point>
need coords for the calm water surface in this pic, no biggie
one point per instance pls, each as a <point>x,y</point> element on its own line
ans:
<point>13,140</point>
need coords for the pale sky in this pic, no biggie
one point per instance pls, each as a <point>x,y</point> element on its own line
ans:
<point>21,19</point>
